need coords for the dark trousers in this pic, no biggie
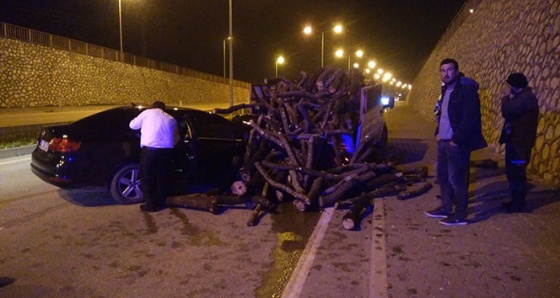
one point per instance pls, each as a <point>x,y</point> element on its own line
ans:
<point>155,174</point>
<point>517,159</point>
<point>452,173</point>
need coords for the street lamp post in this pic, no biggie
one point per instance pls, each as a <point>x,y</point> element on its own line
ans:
<point>120,31</point>
<point>279,60</point>
<point>230,53</point>
<point>340,53</point>
<point>308,30</point>
<point>224,48</point>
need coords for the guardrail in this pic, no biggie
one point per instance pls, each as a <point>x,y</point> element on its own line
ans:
<point>71,45</point>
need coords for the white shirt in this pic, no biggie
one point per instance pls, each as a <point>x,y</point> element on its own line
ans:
<point>445,130</point>
<point>158,129</point>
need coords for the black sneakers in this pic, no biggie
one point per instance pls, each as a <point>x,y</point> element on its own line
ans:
<point>438,213</point>
<point>511,207</point>
<point>453,221</point>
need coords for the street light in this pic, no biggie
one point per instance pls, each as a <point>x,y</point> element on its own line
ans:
<point>340,53</point>
<point>279,60</point>
<point>336,29</point>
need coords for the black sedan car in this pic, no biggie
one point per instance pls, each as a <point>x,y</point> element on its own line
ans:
<point>101,150</point>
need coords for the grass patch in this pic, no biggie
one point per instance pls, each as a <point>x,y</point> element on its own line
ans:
<point>17,141</point>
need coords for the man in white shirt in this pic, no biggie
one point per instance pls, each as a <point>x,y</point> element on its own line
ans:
<point>159,134</point>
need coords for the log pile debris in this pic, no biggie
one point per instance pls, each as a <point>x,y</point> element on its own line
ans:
<point>295,152</point>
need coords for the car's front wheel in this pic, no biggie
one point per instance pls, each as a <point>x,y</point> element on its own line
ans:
<point>125,184</point>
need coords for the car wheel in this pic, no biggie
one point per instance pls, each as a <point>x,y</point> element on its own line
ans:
<point>125,184</point>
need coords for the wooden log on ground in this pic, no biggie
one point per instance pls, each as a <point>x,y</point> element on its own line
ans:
<point>351,186</point>
<point>352,219</point>
<point>415,190</point>
<point>194,201</point>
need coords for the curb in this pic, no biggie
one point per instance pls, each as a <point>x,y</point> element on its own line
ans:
<point>15,152</point>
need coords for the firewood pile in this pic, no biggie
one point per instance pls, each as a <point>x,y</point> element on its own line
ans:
<point>295,152</point>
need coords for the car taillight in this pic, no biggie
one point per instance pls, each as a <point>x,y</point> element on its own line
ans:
<point>64,145</point>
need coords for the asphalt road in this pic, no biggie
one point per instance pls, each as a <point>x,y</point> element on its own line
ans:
<point>80,243</point>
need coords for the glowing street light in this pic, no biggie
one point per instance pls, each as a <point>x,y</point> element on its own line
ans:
<point>359,54</point>
<point>279,60</point>
<point>371,64</point>
<point>387,76</point>
<point>308,30</point>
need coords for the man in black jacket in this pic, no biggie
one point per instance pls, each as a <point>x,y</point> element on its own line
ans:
<point>459,132</point>
<point>520,109</point>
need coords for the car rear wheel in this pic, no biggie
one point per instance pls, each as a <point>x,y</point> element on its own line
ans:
<point>125,184</point>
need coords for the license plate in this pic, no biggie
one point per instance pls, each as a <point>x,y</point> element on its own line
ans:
<point>44,145</point>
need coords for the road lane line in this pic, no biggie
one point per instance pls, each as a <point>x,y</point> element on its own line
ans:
<point>378,256</point>
<point>11,160</point>
<point>297,280</point>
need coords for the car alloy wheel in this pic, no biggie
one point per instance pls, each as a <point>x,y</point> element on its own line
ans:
<point>125,184</point>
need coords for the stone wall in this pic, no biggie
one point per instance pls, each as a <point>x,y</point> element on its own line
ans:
<point>501,37</point>
<point>38,76</point>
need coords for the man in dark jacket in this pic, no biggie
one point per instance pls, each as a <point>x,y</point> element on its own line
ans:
<point>520,110</point>
<point>459,132</point>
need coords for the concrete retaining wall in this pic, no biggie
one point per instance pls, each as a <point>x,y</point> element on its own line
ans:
<point>500,37</point>
<point>37,76</point>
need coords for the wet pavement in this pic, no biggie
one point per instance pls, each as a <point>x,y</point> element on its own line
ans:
<point>399,252</point>
<point>495,255</point>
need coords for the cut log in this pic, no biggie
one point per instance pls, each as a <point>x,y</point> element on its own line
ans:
<point>415,190</point>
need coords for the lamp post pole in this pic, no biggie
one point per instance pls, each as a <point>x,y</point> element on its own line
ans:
<point>224,47</point>
<point>120,31</point>
<point>322,48</point>
<point>230,53</point>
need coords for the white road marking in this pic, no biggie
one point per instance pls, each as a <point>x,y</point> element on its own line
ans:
<point>378,256</point>
<point>297,280</point>
<point>12,160</point>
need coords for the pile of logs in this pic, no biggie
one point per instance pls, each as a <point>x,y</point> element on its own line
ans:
<point>295,151</point>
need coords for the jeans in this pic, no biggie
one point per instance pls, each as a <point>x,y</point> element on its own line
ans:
<point>517,159</point>
<point>452,173</point>
<point>155,174</point>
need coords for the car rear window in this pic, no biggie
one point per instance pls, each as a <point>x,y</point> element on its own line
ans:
<point>210,125</point>
<point>109,119</point>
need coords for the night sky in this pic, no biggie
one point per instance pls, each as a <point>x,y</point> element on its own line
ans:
<point>398,35</point>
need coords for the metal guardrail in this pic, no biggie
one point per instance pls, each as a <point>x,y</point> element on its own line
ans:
<point>76,46</point>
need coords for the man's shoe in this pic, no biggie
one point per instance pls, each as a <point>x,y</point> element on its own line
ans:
<point>513,207</point>
<point>453,221</point>
<point>147,208</point>
<point>438,213</point>
<point>506,205</point>
<point>516,209</point>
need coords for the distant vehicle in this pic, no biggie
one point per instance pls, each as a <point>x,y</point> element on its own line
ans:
<point>101,150</point>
